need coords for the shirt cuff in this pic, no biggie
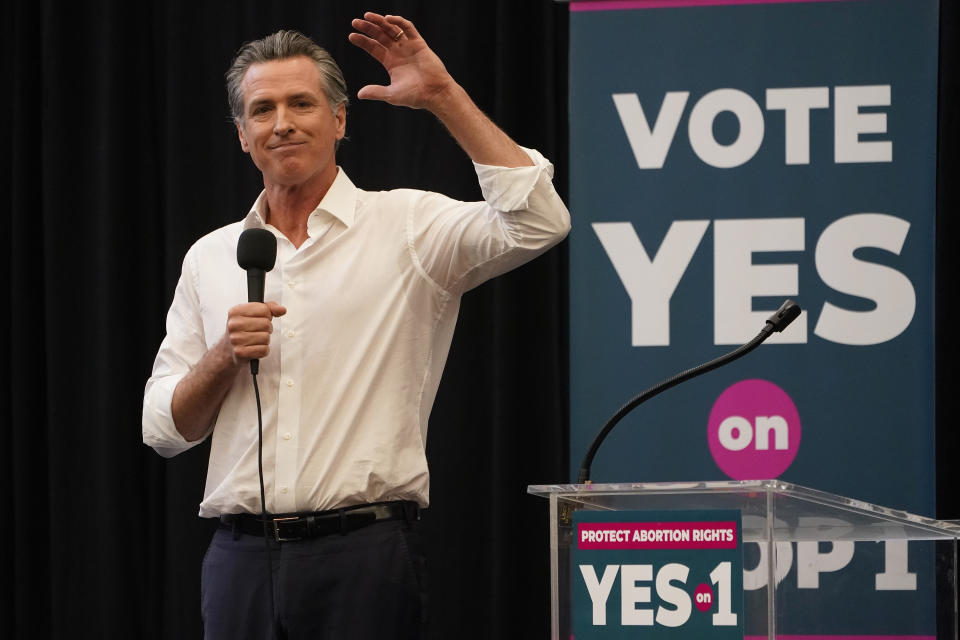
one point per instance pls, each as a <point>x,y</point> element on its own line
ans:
<point>508,188</point>
<point>159,431</point>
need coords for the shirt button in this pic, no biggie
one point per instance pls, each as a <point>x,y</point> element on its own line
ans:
<point>289,382</point>
<point>283,489</point>
<point>287,435</point>
<point>290,333</point>
<point>291,283</point>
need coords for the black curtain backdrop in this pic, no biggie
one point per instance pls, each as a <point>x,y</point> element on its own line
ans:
<point>118,153</point>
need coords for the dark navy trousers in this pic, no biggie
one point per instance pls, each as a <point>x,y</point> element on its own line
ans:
<point>369,583</point>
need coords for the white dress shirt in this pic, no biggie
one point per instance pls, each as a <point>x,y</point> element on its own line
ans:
<point>372,298</point>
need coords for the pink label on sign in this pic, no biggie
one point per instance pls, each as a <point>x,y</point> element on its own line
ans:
<point>657,535</point>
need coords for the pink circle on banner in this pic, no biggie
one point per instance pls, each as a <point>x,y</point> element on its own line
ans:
<point>754,430</point>
<point>703,597</point>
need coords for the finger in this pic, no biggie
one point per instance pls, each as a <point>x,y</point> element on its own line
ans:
<point>240,324</point>
<point>256,311</point>
<point>257,352</point>
<point>249,309</point>
<point>242,350</point>
<point>374,26</point>
<point>377,19</point>
<point>276,310</point>
<point>402,23</point>
<point>249,339</point>
<point>394,26</point>
<point>370,46</point>
<point>374,92</point>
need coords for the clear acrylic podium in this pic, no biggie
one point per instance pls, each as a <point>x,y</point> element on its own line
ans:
<point>900,583</point>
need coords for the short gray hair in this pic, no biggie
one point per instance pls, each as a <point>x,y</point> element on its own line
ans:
<point>282,45</point>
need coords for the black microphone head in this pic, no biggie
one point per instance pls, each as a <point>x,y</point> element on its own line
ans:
<point>786,314</point>
<point>257,249</point>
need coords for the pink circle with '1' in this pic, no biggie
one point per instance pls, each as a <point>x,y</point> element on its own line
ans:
<point>754,430</point>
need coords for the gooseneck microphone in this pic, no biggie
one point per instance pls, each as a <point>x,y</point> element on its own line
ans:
<point>786,314</point>
<point>256,253</point>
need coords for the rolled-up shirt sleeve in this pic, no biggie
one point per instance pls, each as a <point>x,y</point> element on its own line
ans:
<point>460,245</point>
<point>182,347</point>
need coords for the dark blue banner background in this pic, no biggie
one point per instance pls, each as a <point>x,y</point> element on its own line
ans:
<point>866,411</point>
<point>863,405</point>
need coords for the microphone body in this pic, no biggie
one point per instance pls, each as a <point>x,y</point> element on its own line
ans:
<point>256,281</point>
<point>256,253</point>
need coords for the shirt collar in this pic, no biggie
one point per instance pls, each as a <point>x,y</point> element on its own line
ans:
<point>340,201</point>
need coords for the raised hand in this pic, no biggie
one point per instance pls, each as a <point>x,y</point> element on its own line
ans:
<point>418,78</point>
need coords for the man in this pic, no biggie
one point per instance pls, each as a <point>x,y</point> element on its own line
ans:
<point>361,308</point>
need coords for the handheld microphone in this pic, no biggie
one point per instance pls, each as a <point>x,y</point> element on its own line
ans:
<point>256,253</point>
<point>786,314</point>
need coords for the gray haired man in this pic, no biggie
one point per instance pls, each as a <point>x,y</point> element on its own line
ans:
<point>352,341</point>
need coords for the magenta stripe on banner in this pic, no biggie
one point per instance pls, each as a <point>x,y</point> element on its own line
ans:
<point>611,5</point>
<point>874,637</point>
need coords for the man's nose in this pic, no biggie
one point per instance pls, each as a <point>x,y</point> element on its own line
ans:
<point>284,122</point>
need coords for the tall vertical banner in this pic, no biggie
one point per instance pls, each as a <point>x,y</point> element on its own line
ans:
<point>727,155</point>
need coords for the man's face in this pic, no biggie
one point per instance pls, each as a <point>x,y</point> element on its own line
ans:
<point>288,127</point>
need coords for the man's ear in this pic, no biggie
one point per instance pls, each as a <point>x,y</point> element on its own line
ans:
<point>341,118</point>
<point>243,139</point>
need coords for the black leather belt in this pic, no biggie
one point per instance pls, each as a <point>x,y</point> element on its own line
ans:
<point>288,527</point>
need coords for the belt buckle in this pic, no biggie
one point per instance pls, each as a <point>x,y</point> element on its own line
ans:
<point>276,529</point>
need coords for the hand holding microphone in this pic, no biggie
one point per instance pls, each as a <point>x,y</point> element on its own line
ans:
<point>249,325</point>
